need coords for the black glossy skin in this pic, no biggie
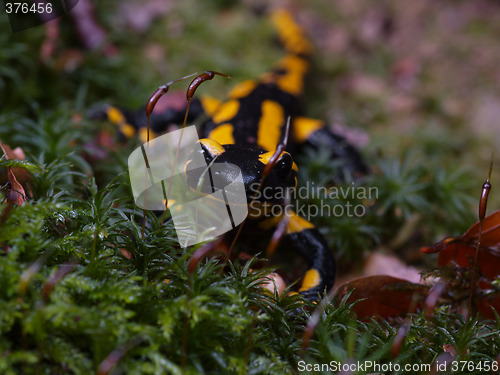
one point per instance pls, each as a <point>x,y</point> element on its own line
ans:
<point>246,159</point>
<point>246,120</point>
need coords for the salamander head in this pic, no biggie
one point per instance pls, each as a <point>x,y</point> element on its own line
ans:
<point>227,161</point>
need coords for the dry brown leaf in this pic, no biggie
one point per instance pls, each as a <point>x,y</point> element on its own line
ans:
<point>461,251</point>
<point>273,282</point>
<point>15,154</point>
<point>378,263</point>
<point>383,296</point>
<point>16,194</point>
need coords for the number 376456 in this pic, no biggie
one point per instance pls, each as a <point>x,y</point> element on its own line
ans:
<point>20,8</point>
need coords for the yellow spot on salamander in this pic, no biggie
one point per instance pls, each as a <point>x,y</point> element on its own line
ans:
<point>242,89</point>
<point>115,115</point>
<point>223,134</point>
<point>311,279</point>
<point>303,127</point>
<point>291,83</point>
<point>226,112</point>
<point>265,157</point>
<point>127,130</point>
<point>293,63</point>
<point>270,123</point>
<point>297,224</point>
<point>210,105</point>
<point>291,34</point>
<point>293,80</point>
<point>214,147</point>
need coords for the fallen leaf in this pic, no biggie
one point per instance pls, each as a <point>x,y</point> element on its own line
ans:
<point>273,283</point>
<point>127,254</point>
<point>487,304</point>
<point>207,250</point>
<point>383,296</point>
<point>461,251</point>
<point>463,254</point>
<point>16,194</point>
<point>490,232</point>
<point>378,263</point>
<point>15,154</point>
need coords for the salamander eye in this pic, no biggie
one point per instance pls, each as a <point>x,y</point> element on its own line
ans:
<point>284,166</point>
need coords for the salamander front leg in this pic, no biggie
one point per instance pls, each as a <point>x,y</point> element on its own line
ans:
<point>309,242</point>
<point>302,236</point>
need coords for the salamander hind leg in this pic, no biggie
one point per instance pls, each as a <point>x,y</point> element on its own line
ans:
<point>312,133</point>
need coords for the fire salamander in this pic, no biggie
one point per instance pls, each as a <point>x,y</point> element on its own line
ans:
<point>245,130</point>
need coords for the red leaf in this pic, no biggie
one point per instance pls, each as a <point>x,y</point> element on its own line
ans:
<point>462,253</point>
<point>490,236</point>
<point>16,194</point>
<point>127,254</point>
<point>383,296</point>
<point>18,153</point>
<point>486,305</point>
<point>491,231</point>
